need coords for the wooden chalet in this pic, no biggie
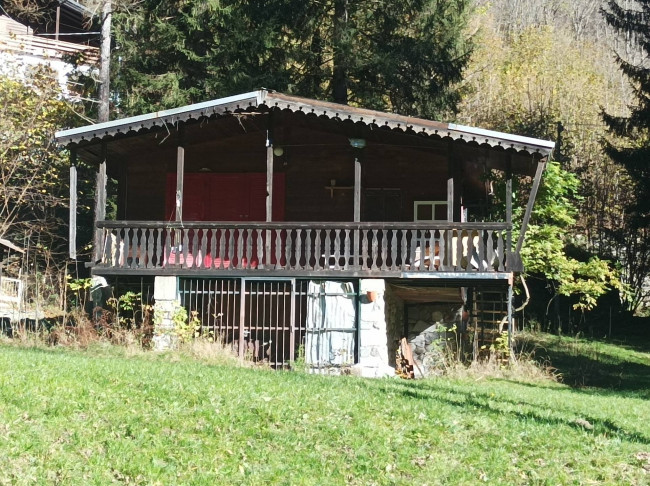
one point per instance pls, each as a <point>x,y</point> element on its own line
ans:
<point>243,208</point>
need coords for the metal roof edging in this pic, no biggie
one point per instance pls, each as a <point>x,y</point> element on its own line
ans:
<point>332,111</point>
<point>547,144</point>
<point>73,134</point>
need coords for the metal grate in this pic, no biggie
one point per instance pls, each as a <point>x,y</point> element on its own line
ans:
<point>263,320</point>
<point>217,306</point>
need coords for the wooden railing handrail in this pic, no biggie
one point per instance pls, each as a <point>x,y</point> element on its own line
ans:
<point>305,248</point>
<point>304,225</point>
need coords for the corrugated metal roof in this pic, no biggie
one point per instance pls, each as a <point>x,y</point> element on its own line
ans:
<point>265,100</point>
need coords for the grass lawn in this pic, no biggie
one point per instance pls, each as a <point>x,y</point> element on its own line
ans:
<point>100,417</point>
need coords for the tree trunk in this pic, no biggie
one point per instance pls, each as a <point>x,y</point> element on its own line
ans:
<point>339,73</point>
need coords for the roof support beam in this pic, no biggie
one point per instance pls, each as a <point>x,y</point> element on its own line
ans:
<point>180,172</point>
<point>450,182</point>
<point>72,221</point>
<point>269,187</point>
<point>357,187</point>
<point>541,165</point>
<point>100,202</point>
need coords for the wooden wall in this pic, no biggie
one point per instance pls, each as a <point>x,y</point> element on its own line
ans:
<point>311,160</point>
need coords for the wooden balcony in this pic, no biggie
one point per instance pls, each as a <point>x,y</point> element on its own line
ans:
<point>290,249</point>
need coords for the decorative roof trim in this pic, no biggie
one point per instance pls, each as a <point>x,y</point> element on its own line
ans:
<point>272,100</point>
<point>158,118</point>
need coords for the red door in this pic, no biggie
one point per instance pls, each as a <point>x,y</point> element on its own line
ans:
<point>225,197</point>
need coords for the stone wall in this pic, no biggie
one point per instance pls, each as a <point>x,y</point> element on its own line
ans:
<point>166,303</point>
<point>431,334</point>
<point>373,344</point>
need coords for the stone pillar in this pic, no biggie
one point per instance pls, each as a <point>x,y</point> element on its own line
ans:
<point>165,292</point>
<point>373,349</point>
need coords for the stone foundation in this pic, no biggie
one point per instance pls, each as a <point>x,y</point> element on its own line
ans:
<point>432,333</point>
<point>166,304</point>
<point>373,346</point>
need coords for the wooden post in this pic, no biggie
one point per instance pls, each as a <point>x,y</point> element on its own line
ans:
<point>509,210</point>
<point>58,22</point>
<point>357,205</point>
<point>531,201</point>
<point>72,220</point>
<point>269,190</point>
<point>357,187</point>
<point>510,322</point>
<point>100,201</point>
<point>450,194</point>
<point>180,173</point>
<point>447,258</point>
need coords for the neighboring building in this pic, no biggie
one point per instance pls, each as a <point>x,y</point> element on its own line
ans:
<point>55,44</point>
<point>292,225</point>
<point>11,289</point>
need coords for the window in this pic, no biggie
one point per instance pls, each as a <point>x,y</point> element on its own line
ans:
<point>430,211</point>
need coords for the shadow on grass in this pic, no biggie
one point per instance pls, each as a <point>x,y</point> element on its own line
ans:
<point>493,405</point>
<point>627,375</point>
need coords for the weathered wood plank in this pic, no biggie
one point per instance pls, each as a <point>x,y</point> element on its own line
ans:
<point>393,249</point>
<point>72,223</point>
<point>374,250</point>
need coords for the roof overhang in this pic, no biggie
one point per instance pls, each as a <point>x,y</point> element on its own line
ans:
<point>10,245</point>
<point>264,100</point>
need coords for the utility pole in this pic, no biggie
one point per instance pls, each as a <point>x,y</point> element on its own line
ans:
<point>104,90</point>
<point>105,61</point>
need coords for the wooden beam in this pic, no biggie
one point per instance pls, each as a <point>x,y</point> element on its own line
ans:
<point>269,190</point>
<point>180,173</point>
<point>541,165</point>
<point>100,202</point>
<point>509,209</point>
<point>511,329</point>
<point>450,183</point>
<point>58,22</point>
<point>72,220</point>
<point>269,181</point>
<point>357,186</point>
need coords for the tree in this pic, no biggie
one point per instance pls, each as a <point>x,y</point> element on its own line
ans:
<point>395,55</point>
<point>634,130</point>
<point>631,147</point>
<point>518,83</point>
<point>32,168</point>
<point>549,240</point>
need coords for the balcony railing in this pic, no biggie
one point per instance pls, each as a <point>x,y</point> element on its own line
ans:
<point>383,249</point>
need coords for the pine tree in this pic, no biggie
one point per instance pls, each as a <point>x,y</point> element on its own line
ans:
<point>393,55</point>
<point>634,129</point>
<point>631,149</point>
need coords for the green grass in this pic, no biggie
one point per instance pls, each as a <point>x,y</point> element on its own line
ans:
<point>101,417</point>
<point>598,365</point>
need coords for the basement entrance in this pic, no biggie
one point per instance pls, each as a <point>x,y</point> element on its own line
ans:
<point>277,321</point>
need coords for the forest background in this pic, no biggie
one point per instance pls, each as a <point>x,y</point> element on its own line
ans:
<point>549,69</point>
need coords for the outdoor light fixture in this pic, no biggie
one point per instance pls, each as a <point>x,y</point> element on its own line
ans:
<point>357,143</point>
<point>278,151</point>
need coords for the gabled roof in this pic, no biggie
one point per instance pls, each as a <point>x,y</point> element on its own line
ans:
<point>265,100</point>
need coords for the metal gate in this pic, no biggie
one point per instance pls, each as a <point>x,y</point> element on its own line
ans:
<point>263,320</point>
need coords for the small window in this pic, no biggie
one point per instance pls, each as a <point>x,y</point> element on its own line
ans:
<point>430,211</point>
